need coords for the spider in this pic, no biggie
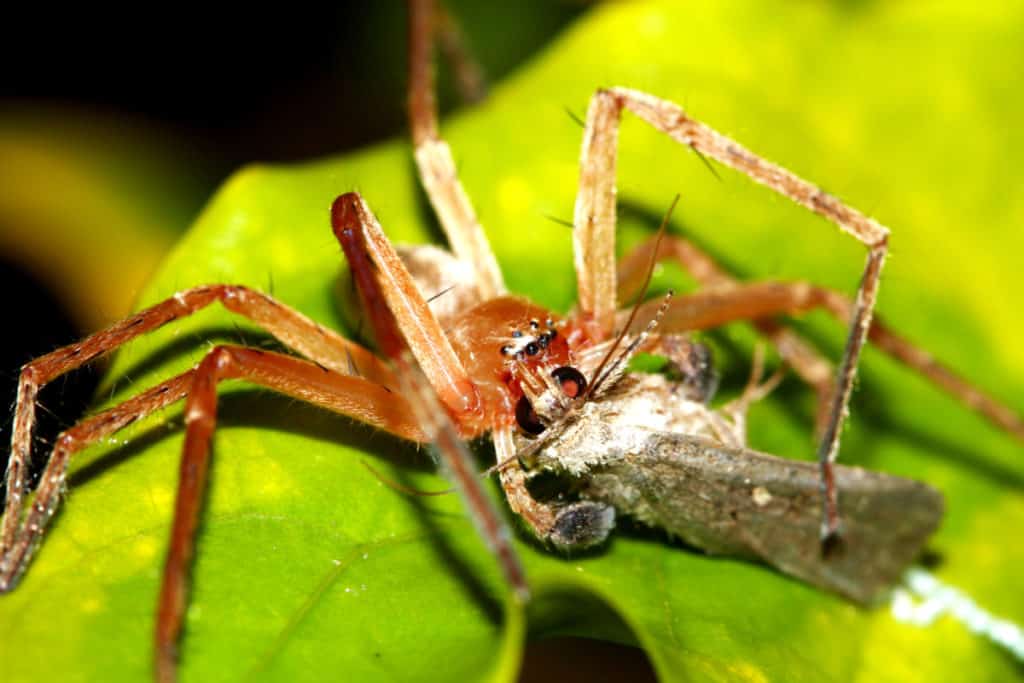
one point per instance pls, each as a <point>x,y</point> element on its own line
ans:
<point>486,362</point>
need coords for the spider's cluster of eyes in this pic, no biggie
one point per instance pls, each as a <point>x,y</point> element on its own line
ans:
<point>530,344</point>
<point>561,385</point>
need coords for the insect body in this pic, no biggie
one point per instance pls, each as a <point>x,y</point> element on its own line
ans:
<point>647,451</point>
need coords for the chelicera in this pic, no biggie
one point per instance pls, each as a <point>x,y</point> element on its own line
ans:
<point>553,392</point>
<point>538,347</point>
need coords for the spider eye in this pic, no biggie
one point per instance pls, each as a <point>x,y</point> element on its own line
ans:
<point>572,380</point>
<point>527,418</point>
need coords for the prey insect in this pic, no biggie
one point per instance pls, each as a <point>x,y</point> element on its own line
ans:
<point>553,391</point>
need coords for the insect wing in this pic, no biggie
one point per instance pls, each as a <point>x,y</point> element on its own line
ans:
<point>738,502</point>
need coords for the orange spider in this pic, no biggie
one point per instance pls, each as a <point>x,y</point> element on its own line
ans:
<point>552,391</point>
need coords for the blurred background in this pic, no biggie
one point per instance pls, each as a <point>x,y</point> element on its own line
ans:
<point>115,129</point>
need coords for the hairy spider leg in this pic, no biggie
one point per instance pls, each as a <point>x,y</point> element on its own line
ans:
<point>805,360</point>
<point>290,327</point>
<point>411,337</point>
<point>387,286</point>
<point>799,354</point>
<point>594,236</point>
<point>470,80</point>
<point>29,533</point>
<point>434,157</point>
<point>295,377</point>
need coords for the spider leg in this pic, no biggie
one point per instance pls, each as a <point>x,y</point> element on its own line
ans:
<point>808,364</point>
<point>352,396</point>
<point>805,360</point>
<point>390,292</point>
<point>288,375</point>
<point>594,236</point>
<point>15,557</point>
<point>434,157</point>
<point>470,80</point>
<point>292,328</point>
<point>429,373</point>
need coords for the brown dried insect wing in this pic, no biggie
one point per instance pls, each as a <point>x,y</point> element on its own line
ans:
<point>737,502</point>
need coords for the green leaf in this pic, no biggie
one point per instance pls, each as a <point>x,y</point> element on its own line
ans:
<point>309,566</point>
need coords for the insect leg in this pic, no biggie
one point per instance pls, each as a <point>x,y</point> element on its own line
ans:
<point>434,157</point>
